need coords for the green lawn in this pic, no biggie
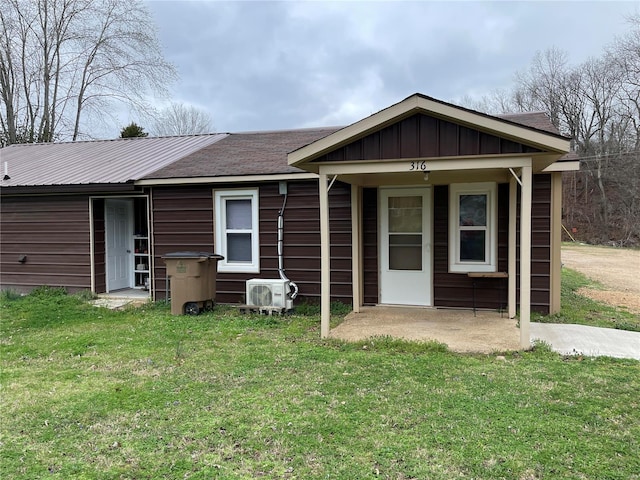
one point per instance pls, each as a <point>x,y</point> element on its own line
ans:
<point>581,310</point>
<point>91,393</point>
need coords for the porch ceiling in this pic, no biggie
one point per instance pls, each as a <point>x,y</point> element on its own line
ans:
<point>460,330</point>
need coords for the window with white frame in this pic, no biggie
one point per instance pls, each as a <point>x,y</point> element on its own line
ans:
<point>236,227</point>
<point>473,232</point>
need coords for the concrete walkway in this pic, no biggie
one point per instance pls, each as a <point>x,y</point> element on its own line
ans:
<point>121,299</point>
<point>589,341</point>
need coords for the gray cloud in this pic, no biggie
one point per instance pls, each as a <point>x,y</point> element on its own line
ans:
<point>273,65</point>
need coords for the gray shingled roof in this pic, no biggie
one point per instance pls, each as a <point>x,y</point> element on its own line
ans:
<point>253,153</point>
<point>537,120</point>
<point>95,162</point>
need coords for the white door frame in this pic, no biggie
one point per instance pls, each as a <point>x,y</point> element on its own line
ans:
<point>398,287</point>
<point>125,241</point>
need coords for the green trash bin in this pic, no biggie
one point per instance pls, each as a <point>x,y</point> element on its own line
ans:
<point>192,278</point>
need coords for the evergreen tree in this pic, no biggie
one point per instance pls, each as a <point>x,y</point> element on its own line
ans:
<point>133,130</point>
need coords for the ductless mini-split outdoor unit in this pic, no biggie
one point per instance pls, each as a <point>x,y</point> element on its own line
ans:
<point>269,293</point>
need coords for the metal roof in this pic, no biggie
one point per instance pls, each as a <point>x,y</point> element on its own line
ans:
<point>95,162</point>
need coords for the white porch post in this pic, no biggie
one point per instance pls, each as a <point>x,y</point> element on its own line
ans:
<point>556,241</point>
<point>356,246</point>
<point>325,260</point>
<point>525,257</point>
<point>513,212</point>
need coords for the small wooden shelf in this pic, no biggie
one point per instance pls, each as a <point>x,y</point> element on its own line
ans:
<point>488,274</point>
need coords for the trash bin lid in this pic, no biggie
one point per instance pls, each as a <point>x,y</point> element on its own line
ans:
<point>187,255</point>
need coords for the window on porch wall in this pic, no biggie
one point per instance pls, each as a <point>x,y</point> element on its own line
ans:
<point>237,230</point>
<point>473,227</point>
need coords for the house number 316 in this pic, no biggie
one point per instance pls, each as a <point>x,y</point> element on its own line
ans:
<point>418,166</point>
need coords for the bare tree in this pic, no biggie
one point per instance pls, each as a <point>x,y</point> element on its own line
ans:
<point>541,86</point>
<point>625,52</point>
<point>64,61</point>
<point>182,119</point>
<point>597,104</point>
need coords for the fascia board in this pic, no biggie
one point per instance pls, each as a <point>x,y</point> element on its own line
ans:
<point>570,166</point>
<point>226,179</point>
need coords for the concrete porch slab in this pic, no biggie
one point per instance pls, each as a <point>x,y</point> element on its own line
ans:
<point>487,332</point>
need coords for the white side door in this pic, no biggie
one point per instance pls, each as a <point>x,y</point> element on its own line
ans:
<point>405,246</point>
<point>119,237</point>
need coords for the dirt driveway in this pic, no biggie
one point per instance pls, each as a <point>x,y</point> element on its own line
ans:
<point>616,268</point>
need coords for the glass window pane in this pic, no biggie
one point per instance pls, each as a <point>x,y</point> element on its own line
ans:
<point>238,247</point>
<point>405,214</point>
<point>405,258</point>
<point>405,252</point>
<point>414,240</point>
<point>238,214</point>
<point>472,245</point>
<point>473,210</point>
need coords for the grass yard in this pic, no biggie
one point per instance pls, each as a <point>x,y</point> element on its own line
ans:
<point>89,393</point>
<point>581,310</point>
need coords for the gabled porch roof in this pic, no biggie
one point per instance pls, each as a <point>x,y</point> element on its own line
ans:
<point>424,128</point>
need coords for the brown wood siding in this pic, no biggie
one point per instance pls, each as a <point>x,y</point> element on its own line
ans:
<point>370,245</point>
<point>183,220</point>
<point>540,244</point>
<point>53,232</point>
<point>424,136</point>
<point>458,289</point>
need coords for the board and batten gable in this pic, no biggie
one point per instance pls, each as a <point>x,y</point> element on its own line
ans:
<point>424,136</point>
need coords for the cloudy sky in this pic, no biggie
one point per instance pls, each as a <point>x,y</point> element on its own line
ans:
<point>277,65</point>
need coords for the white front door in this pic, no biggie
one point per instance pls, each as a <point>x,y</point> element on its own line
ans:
<point>119,227</point>
<point>405,246</point>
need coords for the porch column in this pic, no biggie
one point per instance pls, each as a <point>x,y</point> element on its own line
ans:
<point>325,260</point>
<point>556,241</point>
<point>525,256</point>
<point>356,246</point>
<point>513,221</point>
